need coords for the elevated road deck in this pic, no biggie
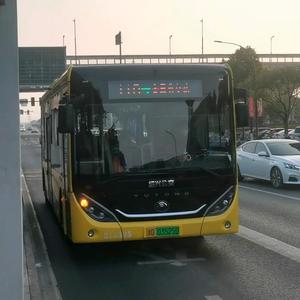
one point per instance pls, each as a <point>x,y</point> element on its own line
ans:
<point>37,78</point>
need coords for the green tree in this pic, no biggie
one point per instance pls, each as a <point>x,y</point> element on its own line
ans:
<point>245,66</point>
<point>280,89</point>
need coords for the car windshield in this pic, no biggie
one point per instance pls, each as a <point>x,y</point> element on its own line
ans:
<point>284,148</point>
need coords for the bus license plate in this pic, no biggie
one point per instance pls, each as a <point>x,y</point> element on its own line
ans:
<point>162,231</point>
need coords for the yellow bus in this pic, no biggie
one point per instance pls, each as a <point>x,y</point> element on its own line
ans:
<point>133,152</point>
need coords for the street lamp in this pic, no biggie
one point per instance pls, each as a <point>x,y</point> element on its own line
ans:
<point>202,37</point>
<point>170,44</point>
<point>230,43</point>
<point>271,39</point>
<point>75,46</point>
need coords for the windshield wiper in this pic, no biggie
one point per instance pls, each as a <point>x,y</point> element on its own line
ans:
<point>115,177</point>
<point>185,169</point>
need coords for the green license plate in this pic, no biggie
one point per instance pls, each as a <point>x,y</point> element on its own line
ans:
<point>162,231</point>
<point>167,231</point>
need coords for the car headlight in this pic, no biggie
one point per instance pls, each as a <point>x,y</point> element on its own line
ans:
<point>292,167</point>
<point>222,203</point>
<point>95,210</point>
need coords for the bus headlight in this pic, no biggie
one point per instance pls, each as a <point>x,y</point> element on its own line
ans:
<point>222,203</point>
<point>95,210</point>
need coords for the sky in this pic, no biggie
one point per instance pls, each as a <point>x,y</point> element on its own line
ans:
<point>147,24</point>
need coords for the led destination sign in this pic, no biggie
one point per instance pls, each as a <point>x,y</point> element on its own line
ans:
<point>155,89</point>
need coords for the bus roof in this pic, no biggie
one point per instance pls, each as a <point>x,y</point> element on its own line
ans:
<point>120,69</point>
<point>207,68</point>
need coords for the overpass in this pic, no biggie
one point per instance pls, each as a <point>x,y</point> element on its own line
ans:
<point>40,66</point>
<point>268,60</point>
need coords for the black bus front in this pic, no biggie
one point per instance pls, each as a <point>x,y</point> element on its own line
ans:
<point>153,152</point>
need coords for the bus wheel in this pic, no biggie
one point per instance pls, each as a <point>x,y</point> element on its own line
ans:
<point>276,178</point>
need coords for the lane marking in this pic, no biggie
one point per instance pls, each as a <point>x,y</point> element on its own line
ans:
<point>213,297</point>
<point>174,262</point>
<point>32,174</point>
<point>148,255</point>
<point>270,193</point>
<point>33,171</point>
<point>180,257</point>
<point>270,243</point>
<point>33,177</point>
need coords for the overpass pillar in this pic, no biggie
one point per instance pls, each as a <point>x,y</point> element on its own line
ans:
<point>11,240</point>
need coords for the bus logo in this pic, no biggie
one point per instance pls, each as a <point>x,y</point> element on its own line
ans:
<point>161,183</point>
<point>161,205</point>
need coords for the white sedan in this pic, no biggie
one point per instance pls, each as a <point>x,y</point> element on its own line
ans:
<point>276,160</point>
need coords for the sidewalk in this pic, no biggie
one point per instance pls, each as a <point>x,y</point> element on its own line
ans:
<point>39,279</point>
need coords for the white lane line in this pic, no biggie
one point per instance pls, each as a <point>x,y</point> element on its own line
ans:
<point>213,297</point>
<point>174,262</point>
<point>180,257</point>
<point>32,171</point>
<point>148,255</point>
<point>270,243</point>
<point>32,177</point>
<point>270,193</point>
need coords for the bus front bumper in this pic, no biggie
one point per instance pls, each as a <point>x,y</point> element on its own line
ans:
<point>87,230</point>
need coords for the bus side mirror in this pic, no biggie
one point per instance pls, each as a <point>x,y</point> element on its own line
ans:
<point>241,111</point>
<point>65,118</point>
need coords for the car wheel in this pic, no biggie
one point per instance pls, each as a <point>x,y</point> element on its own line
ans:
<point>276,178</point>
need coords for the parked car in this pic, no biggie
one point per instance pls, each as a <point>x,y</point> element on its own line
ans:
<point>275,132</point>
<point>34,131</point>
<point>291,133</point>
<point>269,133</point>
<point>281,135</point>
<point>275,160</point>
<point>265,134</point>
<point>296,134</point>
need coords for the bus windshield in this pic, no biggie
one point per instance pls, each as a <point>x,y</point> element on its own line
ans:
<point>163,133</point>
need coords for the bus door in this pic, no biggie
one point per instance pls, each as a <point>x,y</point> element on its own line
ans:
<point>48,180</point>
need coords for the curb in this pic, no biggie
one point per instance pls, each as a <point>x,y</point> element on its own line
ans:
<point>39,279</point>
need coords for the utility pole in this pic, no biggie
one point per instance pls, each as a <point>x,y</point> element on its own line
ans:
<point>202,38</point>
<point>63,40</point>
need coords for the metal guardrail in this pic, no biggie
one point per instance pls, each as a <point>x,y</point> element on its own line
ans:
<point>174,58</point>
